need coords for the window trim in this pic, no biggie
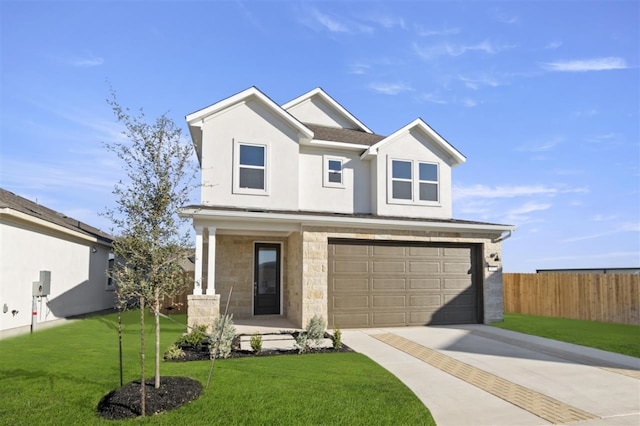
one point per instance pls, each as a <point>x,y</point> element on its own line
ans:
<point>237,166</point>
<point>415,183</point>
<point>325,171</point>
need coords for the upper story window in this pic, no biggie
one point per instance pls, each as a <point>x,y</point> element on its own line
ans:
<point>250,168</point>
<point>333,175</point>
<point>413,182</point>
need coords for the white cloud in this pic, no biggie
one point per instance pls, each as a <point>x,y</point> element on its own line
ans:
<point>553,45</point>
<point>469,103</point>
<point>477,82</point>
<point>455,50</point>
<point>506,18</point>
<point>86,61</point>
<point>542,146</point>
<point>430,97</point>
<point>479,191</point>
<point>583,65</point>
<point>387,21</point>
<point>390,88</point>
<point>529,207</point>
<point>620,228</point>
<point>359,68</point>
<point>440,32</point>
<point>335,25</point>
<point>330,23</point>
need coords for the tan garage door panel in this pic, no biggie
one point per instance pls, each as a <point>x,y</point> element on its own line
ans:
<point>395,284</point>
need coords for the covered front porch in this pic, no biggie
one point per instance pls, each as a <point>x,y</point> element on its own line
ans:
<point>257,273</point>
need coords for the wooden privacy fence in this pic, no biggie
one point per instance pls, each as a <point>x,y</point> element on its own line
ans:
<point>593,297</point>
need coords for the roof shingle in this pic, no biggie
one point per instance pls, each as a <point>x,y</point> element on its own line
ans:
<point>333,134</point>
<point>15,202</point>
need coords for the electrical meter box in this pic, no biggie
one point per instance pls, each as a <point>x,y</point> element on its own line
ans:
<point>42,287</point>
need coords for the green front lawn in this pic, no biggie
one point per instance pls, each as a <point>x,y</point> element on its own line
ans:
<point>58,376</point>
<point>619,338</point>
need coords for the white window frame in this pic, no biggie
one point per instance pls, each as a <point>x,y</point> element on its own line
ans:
<point>419,181</point>
<point>236,169</point>
<point>110,285</point>
<point>415,183</point>
<point>325,172</point>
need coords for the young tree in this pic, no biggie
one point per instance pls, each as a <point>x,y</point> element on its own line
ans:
<point>149,245</point>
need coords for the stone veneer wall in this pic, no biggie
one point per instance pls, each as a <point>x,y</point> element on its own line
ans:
<point>234,267</point>
<point>202,309</point>
<point>315,264</point>
<point>293,280</point>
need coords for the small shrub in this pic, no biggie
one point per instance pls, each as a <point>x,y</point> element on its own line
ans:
<point>336,339</point>
<point>315,329</point>
<point>302,343</point>
<point>256,343</point>
<point>173,352</point>
<point>195,337</point>
<point>313,333</point>
<point>226,339</point>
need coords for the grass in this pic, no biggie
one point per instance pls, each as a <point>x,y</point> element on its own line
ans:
<point>620,338</point>
<point>58,376</point>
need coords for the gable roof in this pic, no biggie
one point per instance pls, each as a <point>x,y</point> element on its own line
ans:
<point>9,200</point>
<point>318,92</point>
<point>195,119</point>
<point>418,124</point>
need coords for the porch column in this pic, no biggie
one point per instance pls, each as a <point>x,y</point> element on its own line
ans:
<point>211,262</point>
<point>197,286</point>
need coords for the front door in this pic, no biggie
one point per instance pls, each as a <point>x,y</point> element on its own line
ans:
<point>266,279</point>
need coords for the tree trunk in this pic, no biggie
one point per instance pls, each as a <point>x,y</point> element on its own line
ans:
<point>120,341</point>
<point>157,312</point>
<point>143,392</point>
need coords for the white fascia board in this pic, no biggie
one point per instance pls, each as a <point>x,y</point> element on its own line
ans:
<point>197,118</point>
<point>334,104</point>
<point>16,216</point>
<point>292,222</point>
<point>456,155</point>
<point>334,144</point>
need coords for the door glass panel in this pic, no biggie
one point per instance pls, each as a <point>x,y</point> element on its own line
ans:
<point>267,270</point>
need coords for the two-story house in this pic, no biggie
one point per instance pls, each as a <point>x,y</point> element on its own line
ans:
<point>304,210</point>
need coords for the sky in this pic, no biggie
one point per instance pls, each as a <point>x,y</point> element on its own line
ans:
<point>542,97</point>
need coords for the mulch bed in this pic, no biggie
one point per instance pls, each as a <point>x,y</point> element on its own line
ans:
<point>124,403</point>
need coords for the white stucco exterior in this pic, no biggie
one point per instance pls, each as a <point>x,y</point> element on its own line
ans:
<point>223,132</point>
<point>353,196</point>
<point>77,264</point>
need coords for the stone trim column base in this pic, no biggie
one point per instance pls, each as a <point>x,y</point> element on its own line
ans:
<point>202,309</point>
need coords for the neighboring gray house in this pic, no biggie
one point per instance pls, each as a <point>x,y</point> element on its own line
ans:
<point>34,238</point>
<point>304,210</point>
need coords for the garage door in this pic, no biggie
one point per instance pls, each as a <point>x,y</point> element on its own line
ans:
<point>395,284</point>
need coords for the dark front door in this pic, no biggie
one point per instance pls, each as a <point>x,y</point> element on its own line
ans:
<point>266,279</point>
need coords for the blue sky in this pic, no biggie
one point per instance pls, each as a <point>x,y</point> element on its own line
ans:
<point>542,97</point>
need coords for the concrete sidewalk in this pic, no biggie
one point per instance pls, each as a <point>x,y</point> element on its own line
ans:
<point>457,371</point>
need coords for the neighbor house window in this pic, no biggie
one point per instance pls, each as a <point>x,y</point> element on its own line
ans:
<point>111,285</point>
<point>333,172</point>
<point>413,182</point>
<point>250,169</point>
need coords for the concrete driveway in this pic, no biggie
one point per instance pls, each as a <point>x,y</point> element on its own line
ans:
<point>480,375</point>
